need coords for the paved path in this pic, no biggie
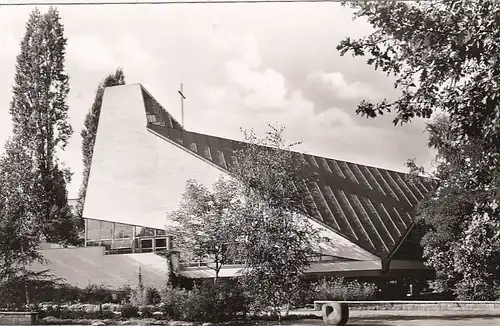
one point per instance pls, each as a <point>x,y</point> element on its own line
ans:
<point>403,318</point>
<point>419,322</point>
<point>410,318</point>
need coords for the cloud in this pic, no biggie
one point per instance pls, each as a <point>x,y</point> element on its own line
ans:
<point>241,66</point>
<point>251,96</point>
<point>10,45</point>
<point>331,89</point>
<point>259,89</point>
<point>335,117</point>
<point>335,84</point>
<point>91,53</point>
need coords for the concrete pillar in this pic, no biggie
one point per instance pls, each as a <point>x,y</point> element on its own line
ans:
<point>133,239</point>
<point>86,231</point>
<point>169,242</point>
<point>112,236</point>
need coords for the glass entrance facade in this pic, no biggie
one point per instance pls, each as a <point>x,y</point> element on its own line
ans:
<point>124,238</point>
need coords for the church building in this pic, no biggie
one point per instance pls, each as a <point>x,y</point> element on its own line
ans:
<point>142,159</point>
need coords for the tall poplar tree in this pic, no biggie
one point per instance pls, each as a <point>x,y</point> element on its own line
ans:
<point>89,131</point>
<point>39,112</point>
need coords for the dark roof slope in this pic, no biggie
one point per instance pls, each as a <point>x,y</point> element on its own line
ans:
<point>371,207</point>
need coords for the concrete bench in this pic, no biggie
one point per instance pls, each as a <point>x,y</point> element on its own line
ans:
<point>334,312</point>
<point>18,318</point>
<point>484,306</point>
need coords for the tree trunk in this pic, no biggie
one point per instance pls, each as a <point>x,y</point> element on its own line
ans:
<point>217,270</point>
<point>27,294</point>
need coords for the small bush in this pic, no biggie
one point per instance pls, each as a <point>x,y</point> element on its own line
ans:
<point>143,296</point>
<point>76,311</point>
<point>96,294</point>
<point>123,294</point>
<point>204,303</point>
<point>152,296</point>
<point>172,301</point>
<point>146,311</point>
<point>129,311</point>
<point>338,289</point>
<point>138,297</point>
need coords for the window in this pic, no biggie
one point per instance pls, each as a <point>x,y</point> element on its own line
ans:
<point>106,231</point>
<point>161,232</point>
<point>122,244</point>
<point>144,232</point>
<point>161,243</point>
<point>99,230</point>
<point>93,244</point>
<point>147,245</point>
<point>152,118</point>
<point>123,231</point>
<point>93,229</point>
<point>105,243</point>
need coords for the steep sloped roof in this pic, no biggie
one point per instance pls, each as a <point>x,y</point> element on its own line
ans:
<point>371,207</point>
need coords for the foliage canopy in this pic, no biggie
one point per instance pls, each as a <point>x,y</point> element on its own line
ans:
<point>444,57</point>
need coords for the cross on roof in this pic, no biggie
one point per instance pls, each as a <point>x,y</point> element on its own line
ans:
<point>181,93</point>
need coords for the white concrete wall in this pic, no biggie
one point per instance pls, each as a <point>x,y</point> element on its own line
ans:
<point>137,177</point>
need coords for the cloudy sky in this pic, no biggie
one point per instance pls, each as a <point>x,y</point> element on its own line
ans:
<point>242,65</point>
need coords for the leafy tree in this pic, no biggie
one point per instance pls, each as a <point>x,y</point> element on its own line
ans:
<point>278,240</point>
<point>206,222</point>
<point>20,216</point>
<point>39,114</point>
<point>443,55</point>
<point>89,131</point>
<point>460,242</point>
<point>20,212</point>
<point>259,216</point>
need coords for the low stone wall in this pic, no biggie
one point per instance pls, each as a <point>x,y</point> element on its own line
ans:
<point>17,318</point>
<point>420,305</point>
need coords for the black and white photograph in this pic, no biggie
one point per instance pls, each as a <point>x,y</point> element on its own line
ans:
<point>250,162</point>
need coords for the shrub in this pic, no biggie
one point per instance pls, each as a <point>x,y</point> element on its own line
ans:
<point>96,294</point>
<point>142,296</point>
<point>123,294</point>
<point>172,300</point>
<point>152,296</point>
<point>205,302</point>
<point>305,294</point>
<point>138,297</point>
<point>129,311</point>
<point>66,293</point>
<point>50,311</point>
<point>146,311</point>
<point>228,298</point>
<point>196,306</point>
<point>338,289</point>
<point>76,311</point>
